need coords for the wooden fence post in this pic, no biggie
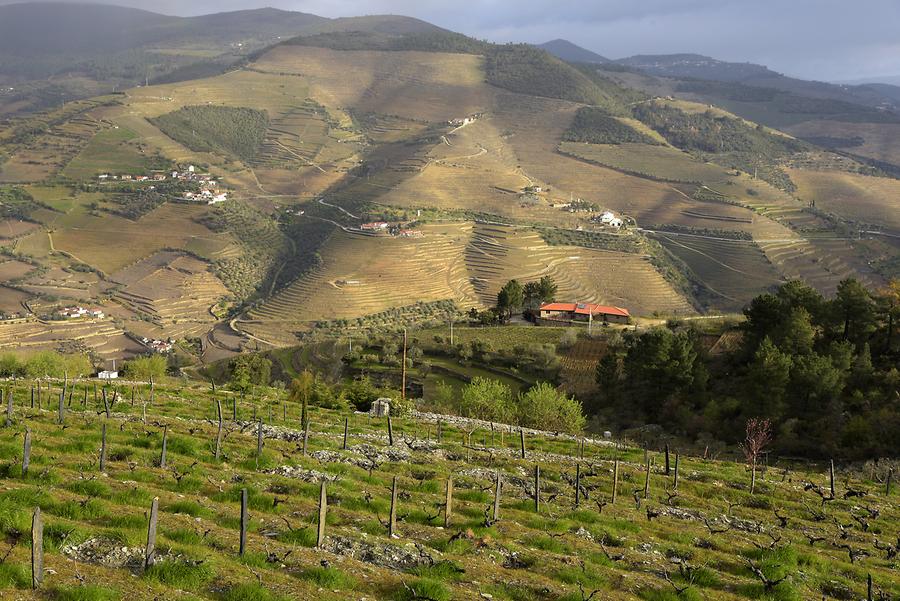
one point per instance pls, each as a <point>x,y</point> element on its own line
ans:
<point>390,431</point>
<point>150,551</point>
<point>259,439</point>
<point>152,389</point>
<point>497,488</point>
<point>103,448</point>
<point>234,409</point>
<point>887,484</point>
<point>165,444</point>
<point>346,425</point>
<point>323,508</point>
<point>219,432</point>
<point>440,430</point>
<point>26,453</point>
<point>522,441</point>
<point>84,400</point>
<point>537,488</point>
<point>869,587</point>
<point>32,395</point>
<point>448,503</point>
<point>9,407</point>
<point>245,519</point>
<point>615,487</point>
<point>577,484</point>
<point>61,412</point>
<point>37,549</point>
<point>392,520</point>
<point>647,480</point>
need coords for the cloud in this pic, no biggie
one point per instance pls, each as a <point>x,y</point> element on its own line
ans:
<point>818,39</point>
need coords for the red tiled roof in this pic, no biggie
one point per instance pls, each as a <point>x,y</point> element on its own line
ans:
<point>586,309</point>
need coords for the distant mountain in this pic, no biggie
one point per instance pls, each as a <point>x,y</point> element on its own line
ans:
<point>695,66</point>
<point>84,29</point>
<point>572,53</point>
<point>699,67</point>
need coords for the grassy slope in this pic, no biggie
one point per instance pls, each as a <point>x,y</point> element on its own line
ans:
<point>524,556</point>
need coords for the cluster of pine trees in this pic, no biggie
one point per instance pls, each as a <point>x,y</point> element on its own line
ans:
<point>823,371</point>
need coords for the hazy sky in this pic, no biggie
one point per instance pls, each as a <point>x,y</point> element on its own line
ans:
<point>822,39</point>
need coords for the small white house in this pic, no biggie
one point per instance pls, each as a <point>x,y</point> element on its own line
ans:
<point>108,375</point>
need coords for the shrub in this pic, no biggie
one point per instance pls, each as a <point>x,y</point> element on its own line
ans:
<point>545,407</point>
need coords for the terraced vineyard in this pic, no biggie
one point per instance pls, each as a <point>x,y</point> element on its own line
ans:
<point>362,274</point>
<point>642,538</point>
<point>48,152</point>
<point>734,271</point>
<point>467,263</point>
<point>102,337</point>
<point>497,254</point>
<point>175,290</point>
<point>579,366</point>
<point>822,263</point>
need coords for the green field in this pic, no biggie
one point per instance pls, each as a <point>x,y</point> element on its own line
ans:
<point>114,151</point>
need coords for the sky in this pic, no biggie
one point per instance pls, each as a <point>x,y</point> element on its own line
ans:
<point>829,40</point>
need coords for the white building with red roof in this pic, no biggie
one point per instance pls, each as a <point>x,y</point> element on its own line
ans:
<point>584,312</point>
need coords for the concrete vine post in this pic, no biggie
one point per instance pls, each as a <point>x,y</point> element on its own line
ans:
<point>323,508</point>
<point>615,486</point>
<point>392,520</point>
<point>522,441</point>
<point>26,453</point>
<point>305,437</point>
<point>346,426</point>
<point>647,480</point>
<point>675,482</point>
<point>831,477</point>
<point>219,432</point>
<point>497,489</point>
<point>9,407</point>
<point>165,443</point>
<point>537,488</point>
<point>61,412</point>
<point>887,484</point>
<point>448,503</point>
<point>259,439</point>
<point>37,549</point>
<point>103,449</point>
<point>245,519</point>
<point>390,431</point>
<point>150,549</point>
<point>577,484</point>
<point>667,459</point>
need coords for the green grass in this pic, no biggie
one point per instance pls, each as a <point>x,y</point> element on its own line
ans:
<point>90,592</point>
<point>180,574</point>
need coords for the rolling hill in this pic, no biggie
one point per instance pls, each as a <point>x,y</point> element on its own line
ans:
<point>489,162</point>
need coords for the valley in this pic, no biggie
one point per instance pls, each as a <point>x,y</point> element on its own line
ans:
<point>313,138</point>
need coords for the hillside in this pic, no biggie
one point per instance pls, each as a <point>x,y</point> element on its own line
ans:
<point>600,517</point>
<point>572,53</point>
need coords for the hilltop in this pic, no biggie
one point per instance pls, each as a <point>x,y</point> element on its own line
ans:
<point>572,53</point>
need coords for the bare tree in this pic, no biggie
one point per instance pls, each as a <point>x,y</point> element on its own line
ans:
<point>757,437</point>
